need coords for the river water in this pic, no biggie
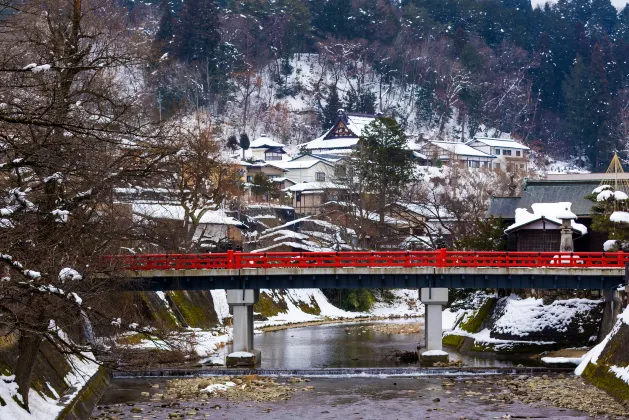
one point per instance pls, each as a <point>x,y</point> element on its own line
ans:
<point>334,346</point>
<point>352,345</point>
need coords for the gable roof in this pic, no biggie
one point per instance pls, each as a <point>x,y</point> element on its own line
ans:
<point>327,157</point>
<point>493,142</point>
<point>315,186</point>
<point>301,164</point>
<point>355,123</point>
<point>547,191</point>
<point>459,148</point>
<point>264,143</point>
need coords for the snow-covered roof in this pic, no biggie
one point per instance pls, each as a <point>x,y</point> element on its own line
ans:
<point>552,212</point>
<point>177,212</point>
<point>493,142</point>
<point>460,149</point>
<point>356,123</point>
<point>427,210</point>
<point>300,164</point>
<point>315,186</point>
<point>262,164</point>
<point>326,157</point>
<point>264,142</point>
<point>336,143</point>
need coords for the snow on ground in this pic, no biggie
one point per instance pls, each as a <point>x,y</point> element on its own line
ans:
<point>405,303</point>
<point>42,406</point>
<point>593,355</point>
<point>219,298</point>
<point>498,344</point>
<point>449,318</point>
<point>562,360</point>
<point>525,316</point>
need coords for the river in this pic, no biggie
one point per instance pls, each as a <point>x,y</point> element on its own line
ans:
<point>353,345</point>
<point>334,346</point>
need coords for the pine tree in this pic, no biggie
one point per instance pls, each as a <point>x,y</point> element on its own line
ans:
<point>576,96</point>
<point>244,143</point>
<point>165,32</point>
<point>382,161</point>
<point>330,112</point>
<point>545,80</point>
<point>600,101</point>
<point>197,33</point>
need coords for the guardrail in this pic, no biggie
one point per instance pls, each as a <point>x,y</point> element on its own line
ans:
<point>439,258</point>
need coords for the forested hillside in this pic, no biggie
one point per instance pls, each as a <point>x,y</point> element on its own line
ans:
<point>555,77</point>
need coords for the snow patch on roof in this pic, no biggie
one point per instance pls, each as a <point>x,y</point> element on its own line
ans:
<point>176,212</point>
<point>460,149</point>
<point>549,211</point>
<point>493,142</point>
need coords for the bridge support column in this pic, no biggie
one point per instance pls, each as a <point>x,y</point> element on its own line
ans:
<point>433,300</point>
<point>243,353</point>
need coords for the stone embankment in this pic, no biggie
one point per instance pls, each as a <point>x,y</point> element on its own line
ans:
<point>514,325</point>
<point>567,392</point>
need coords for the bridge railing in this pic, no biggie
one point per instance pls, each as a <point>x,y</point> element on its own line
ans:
<point>439,258</point>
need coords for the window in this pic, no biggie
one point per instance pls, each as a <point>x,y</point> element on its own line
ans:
<point>298,197</point>
<point>320,176</point>
<point>506,152</point>
<point>497,151</point>
<point>517,153</point>
<point>272,156</point>
<point>249,178</point>
<point>521,166</point>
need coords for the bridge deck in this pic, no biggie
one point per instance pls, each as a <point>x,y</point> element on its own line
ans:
<point>375,270</point>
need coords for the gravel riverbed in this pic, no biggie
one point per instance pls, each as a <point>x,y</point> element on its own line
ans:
<point>462,397</point>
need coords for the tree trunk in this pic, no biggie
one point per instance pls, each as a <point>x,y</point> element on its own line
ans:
<point>28,347</point>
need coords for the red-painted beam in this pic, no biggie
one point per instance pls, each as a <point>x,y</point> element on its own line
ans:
<point>439,258</point>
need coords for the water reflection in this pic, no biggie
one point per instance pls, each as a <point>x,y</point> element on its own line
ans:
<point>340,345</point>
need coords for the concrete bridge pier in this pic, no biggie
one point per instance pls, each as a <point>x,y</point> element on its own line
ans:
<point>433,300</point>
<point>243,354</point>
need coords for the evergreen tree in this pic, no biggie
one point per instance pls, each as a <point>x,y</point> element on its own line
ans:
<point>232,143</point>
<point>600,100</point>
<point>197,34</point>
<point>576,95</point>
<point>166,28</point>
<point>364,103</point>
<point>460,40</point>
<point>545,79</point>
<point>331,110</point>
<point>382,162</point>
<point>244,143</point>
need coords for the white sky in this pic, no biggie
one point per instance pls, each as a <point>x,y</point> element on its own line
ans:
<point>618,3</point>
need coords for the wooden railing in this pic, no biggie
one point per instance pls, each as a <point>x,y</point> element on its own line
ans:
<point>439,258</point>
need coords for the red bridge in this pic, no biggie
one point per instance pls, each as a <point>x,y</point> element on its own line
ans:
<point>375,269</point>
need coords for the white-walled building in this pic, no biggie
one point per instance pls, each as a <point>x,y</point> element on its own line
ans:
<point>307,170</point>
<point>510,155</point>
<point>448,152</point>
<point>267,150</point>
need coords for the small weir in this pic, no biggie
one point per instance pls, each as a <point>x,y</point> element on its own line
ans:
<point>339,372</point>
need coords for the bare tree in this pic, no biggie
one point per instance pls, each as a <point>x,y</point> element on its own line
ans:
<point>73,125</point>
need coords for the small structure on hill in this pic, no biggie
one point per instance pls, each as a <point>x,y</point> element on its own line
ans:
<point>449,152</point>
<point>307,197</point>
<point>511,156</point>
<point>267,150</point>
<point>343,137</point>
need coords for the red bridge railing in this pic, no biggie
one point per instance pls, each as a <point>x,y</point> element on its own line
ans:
<point>439,258</point>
